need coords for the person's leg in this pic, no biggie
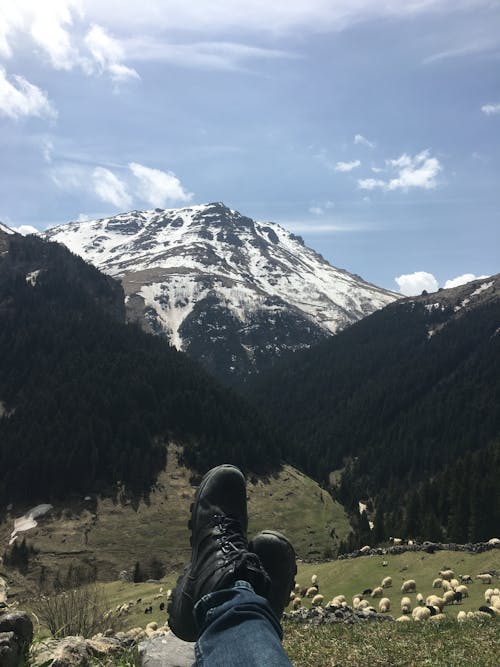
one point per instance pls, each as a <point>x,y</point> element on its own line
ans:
<point>238,628</point>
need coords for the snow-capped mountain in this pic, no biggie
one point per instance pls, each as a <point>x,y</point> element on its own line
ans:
<point>231,292</point>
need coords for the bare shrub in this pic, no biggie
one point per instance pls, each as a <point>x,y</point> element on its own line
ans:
<point>79,611</point>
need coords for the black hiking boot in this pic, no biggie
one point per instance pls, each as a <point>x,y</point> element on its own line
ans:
<point>220,555</point>
<point>277,556</point>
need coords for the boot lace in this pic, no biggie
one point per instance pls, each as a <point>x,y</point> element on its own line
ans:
<point>232,536</point>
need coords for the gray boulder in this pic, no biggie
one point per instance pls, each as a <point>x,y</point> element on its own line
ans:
<point>167,651</point>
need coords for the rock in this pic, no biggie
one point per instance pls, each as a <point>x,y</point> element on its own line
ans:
<point>20,624</point>
<point>10,650</point>
<point>67,652</point>
<point>104,646</point>
<point>333,614</point>
<point>166,651</point>
<point>3,591</point>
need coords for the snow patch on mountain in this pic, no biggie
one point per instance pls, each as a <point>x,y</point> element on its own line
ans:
<point>5,229</point>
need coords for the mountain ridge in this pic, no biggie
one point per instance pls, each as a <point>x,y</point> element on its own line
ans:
<point>403,406</point>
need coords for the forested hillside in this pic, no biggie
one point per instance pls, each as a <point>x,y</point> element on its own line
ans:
<point>406,403</point>
<point>86,400</point>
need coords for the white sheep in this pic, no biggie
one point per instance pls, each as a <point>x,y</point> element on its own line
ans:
<point>317,600</point>
<point>494,541</point>
<point>409,586</point>
<point>396,541</point>
<point>447,574</point>
<point>487,594</point>
<point>364,604</point>
<point>420,599</point>
<point>495,602</point>
<point>454,583</point>
<point>355,601</point>
<point>404,619</point>
<point>434,601</point>
<point>297,602</point>
<point>335,602</point>
<point>296,588</point>
<point>314,580</point>
<point>311,592</point>
<point>461,616</point>
<point>384,605</point>
<point>365,549</point>
<point>386,582</point>
<point>448,597</point>
<point>437,583</point>
<point>466,578</point>
<point>437,618</point>
<point>405,605</point>
<point>484,578</point>
<point>463,590</point>
<point>377,592</point>
<point>421,614</point>
<point>447,585</point>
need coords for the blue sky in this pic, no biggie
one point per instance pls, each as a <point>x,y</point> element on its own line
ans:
<point>372,129</point>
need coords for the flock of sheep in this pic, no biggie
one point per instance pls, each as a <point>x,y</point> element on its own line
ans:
<point>454,590</point>
<point>125,608</point>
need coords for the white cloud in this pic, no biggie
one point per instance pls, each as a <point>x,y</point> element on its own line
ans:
<point>25,229</point>
<point>370,183</point>
<point>273,17</point>
<point>320,210</point>
<point>477,46</point>
<point>411,284</point>
<point>314,227</point>
<point>347,166</point>
<point>491,109</point>
<point>204,55</point>
<point>108,53</point>
<point>49,29</point>
<point>110,188</point>
<point>56,28</point>
<point>419,171</point>
<point>360,140</point>
<point>158,187</point>
<point>22,98</point>
<point>462,280</point>
<point>48,24</point>
<point>70,177</point>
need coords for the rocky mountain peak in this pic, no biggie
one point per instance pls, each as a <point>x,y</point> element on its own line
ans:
<point>232,292</point>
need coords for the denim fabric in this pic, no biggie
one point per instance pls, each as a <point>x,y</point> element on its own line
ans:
<point>238,629</point>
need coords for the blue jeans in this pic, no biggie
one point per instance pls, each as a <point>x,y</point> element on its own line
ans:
<point>238,629</point>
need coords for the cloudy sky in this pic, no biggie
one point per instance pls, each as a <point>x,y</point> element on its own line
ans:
<point>371,128</point>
